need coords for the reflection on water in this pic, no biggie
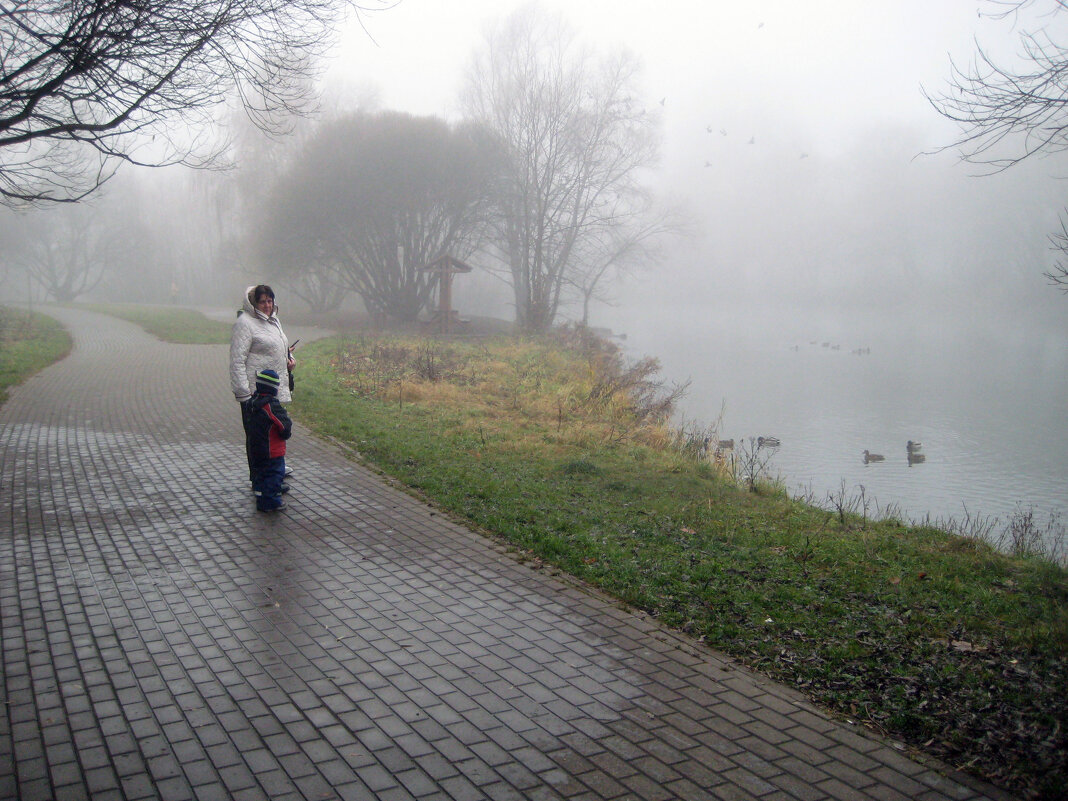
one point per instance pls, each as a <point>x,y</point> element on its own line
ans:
<point>988,409</point>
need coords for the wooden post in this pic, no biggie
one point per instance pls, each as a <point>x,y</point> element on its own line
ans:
<point>445,299</point>
<point>445,268</point>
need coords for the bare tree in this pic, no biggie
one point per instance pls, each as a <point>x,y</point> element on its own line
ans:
<point>1009,114</point>
<point>86,85</point>
<point>373,199</point>
<point>576,140</point>
<point>69,252</point>
<point>1058,273</point>
<point>617,248</point>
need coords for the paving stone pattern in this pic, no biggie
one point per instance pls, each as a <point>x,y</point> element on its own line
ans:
<point>162,640</point>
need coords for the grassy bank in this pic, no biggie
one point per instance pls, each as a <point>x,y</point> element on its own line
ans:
<point>29,342</point>
<point>932,639</point>
<point>170,323</point>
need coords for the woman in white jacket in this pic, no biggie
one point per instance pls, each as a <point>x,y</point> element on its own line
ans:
<point>257,342</point>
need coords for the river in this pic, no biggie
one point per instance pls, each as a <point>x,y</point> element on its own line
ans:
<point>988,405</point>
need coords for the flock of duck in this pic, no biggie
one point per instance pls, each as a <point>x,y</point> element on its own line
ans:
<point>728,444</point>
<point>830,346</point>
<point>913,452</point>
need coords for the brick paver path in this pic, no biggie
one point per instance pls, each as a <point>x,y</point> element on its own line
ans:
<point>163,640</point>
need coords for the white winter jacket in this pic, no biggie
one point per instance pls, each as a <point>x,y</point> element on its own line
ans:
<point>257,342</point>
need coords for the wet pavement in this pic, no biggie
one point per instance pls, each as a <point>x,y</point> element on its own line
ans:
<point>162,640</point>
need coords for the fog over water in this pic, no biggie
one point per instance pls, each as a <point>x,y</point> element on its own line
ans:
<point>988,408</point>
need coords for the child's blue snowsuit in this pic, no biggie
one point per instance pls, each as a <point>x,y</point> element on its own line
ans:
<point>269,429</point>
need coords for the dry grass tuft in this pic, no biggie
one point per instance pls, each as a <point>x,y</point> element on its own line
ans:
<point>570,388</point>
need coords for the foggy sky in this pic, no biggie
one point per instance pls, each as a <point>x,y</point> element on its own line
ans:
<point>797,138</point>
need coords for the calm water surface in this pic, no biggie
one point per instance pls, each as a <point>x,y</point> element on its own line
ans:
<point>988,407</point>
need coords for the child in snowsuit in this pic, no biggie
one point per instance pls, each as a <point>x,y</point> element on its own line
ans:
<point>269,428</point>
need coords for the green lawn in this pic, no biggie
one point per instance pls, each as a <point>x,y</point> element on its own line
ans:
<point>170,323</point>
<point>29,342</point>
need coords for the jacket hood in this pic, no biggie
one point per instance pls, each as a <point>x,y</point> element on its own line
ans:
<point>248,306</point>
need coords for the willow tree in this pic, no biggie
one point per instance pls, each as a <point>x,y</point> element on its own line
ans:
<point>575,140</point>
<point>369,201</point>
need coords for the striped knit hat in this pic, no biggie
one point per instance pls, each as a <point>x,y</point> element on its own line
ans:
<point>267,382</point>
